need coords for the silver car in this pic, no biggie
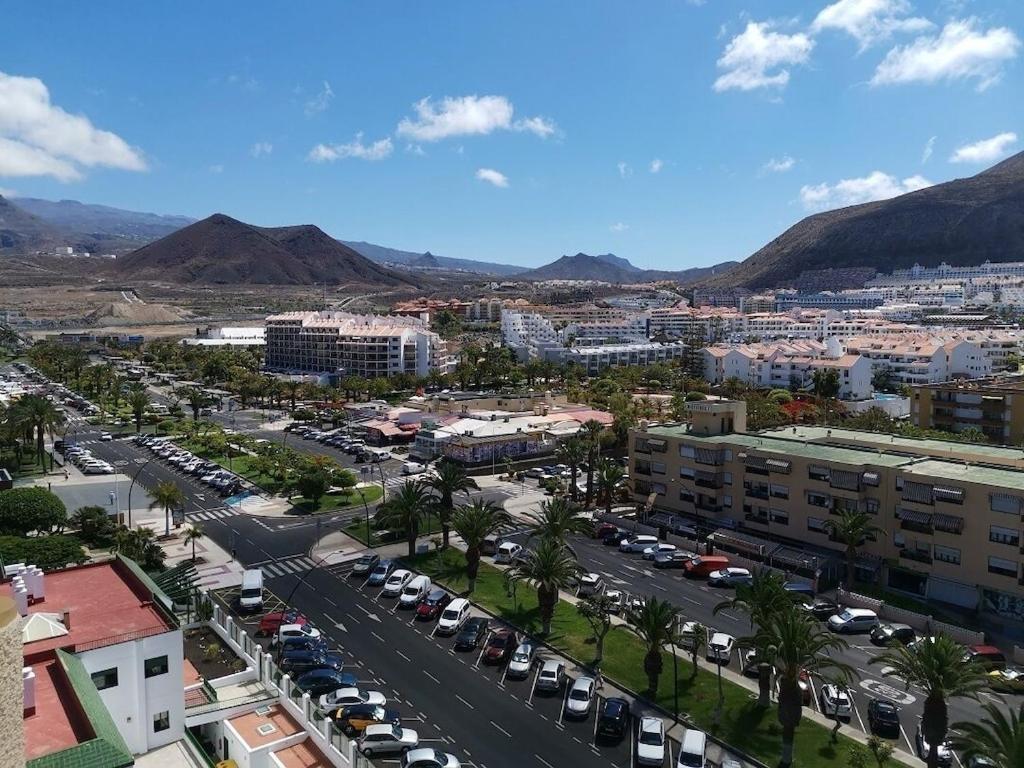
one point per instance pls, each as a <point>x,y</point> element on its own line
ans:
<point>580,698</point>
<point>386,738</point>
<point>551,676</point>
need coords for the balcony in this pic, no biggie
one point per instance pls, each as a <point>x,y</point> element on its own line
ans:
<point>916,555</point>
<point>916,527</point>
<point>757,493</point>
<point>706,506</point>
<point>708,481</point>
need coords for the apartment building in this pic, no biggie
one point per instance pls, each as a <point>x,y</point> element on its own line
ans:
<point>341,343</point>
<point>595,359</point>
<point>483,310</point>
<point>705,324</point>
<point>921,358</point>
<point>950,514</point>
<point>985,404</point>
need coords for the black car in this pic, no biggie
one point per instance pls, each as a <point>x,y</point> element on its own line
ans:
<point>822,608</point>
<point>613,719</point>
<point>884,717</point>
<point>354,718</point>
<point>613,539</point>
<point>884,634</point>
<point>365,564</point>
<point>472,634</point>
<point>291,644</point>
<point>298,662</point>
<point>317,682</point>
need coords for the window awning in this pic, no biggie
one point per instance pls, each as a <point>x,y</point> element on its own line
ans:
<point>779,465</point>
<point>949,493</point>
<point>919,492</point>
<point>948,523</point>
<point>757,462</point>
<point>656,444</point>
<point>913,516</point>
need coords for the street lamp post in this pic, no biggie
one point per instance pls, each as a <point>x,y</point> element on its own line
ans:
<point>675,679</point>
<point>134,478</point>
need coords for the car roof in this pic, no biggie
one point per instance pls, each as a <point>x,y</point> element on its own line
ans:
<point>401,572</point>
<point>720,637</point>
<point>457,603</point>
<point>436,593</point>
<point>375,728</point>
<point>551,665</point>
<point>615,706</point>
<point>861,612</point>
<point>885,704</point>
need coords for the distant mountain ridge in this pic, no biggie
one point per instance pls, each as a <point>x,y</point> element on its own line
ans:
<point>223,250</point>
<point>20,231</point>
<point>428,260</point>
<point>963,222</point>
<point>610,268</point>
<point>103,220</point>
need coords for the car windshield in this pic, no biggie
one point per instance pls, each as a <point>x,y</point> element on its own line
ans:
<point>382,569</point>
<point>451,613</point>
<point>650,737</point>
<point>846,616</point>
<point>691,760</point>
<point>497,641</point>
<point>579,694</point>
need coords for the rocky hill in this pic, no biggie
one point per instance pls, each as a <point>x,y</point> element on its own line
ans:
<point>962,222</point>
<point>428,260</point>
<point>103,221</point>
<point>21,232</point>
<point>220,249</point>
<point>610,268</point>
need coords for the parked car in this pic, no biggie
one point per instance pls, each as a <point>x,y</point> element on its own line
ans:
<point>730,577</point>
<point>653,552</point>
<point>703,566</point>
<point>551,676</point>
<point>835,701</point>
<point>615,600</point>
<point>396,583</point>
<point>317,682</point>
<point>603,529</point>
<point>987,656</point>
<point>637,543</point>
<point>344,697</point>
<point>650,741</point>
<point>271,622</point>
<point>499,646</point>
<point>296,630</point>
<point>429,758</point>
<point>455,614</point>
<point>386,739</point>
<point>590,584</point>
<point>944,753</point>
<point>884,634</point>
<point>471,634</point>
<point>613,718</point>
<point>580,698</point>
<point>675,559</point>
<point>365,564</point>
<point>355,718</point>
<point>433,604</point>
<point>853,620</point>
<point>884,718</point>
<point>304,644</point>
<point>822,607</point>
<point>521,663</point>
<point>615,538</point>
<point>507,552</point>
<point>719,648</point>
<point>296,662</point>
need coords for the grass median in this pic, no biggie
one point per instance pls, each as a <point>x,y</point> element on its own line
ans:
<point>754,730</point>
<point>332,502</point>
<point>358,530</point>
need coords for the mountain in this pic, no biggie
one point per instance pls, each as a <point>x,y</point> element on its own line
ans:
<point>21,232</point>
<point>220,249</point>
<point>409,259</point>
<point>102,221</point>
<point>964,222</point>
<point>609,268</point>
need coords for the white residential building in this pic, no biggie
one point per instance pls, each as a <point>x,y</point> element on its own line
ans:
<point>921,358</point>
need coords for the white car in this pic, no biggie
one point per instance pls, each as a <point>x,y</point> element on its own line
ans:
<point>945,754</point>
<point>413,468</point>
<point>637,543</point>
<point>396,583</point>
<point>297,630</point>
<point>590,584</point>
<point>686,634</point>
<point>616,599</point>
<point>835,701</point>
<point>551,676</point>
<point>385,738</point>
<point>429,758</point>
<point>720,647</point>
<point>580,698</point>
<point>106,437</point>
<point>343,697</point>
<point>853,620</point>
<point>658,549</point>
<point>453,616</point>
<point>521,663</point>
<point>650,741</point>
<point>730,577</point>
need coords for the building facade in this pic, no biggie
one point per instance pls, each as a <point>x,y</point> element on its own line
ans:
<point>985,404</point>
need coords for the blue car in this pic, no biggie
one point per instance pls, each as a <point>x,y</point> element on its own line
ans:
<point>318,682</point>
<point>380,573</point>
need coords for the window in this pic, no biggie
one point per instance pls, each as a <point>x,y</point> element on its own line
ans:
<point>1002,567</point>
<point>779,516</point>
<point>687,472</point>
<point>779,491</point>
<point>161,721</point>
<point>687,451</point>
<point>871,506</point>
<point>818,472</point>
<point>818,499</point>
<point>727,478</point>
<point>658,467</point>
<point>899,540</point>
<point>1003,502</point>
<point>727,501</point>
<point>870,478</point>
<point>106,678</point>
<point>815,524</point>
<point>1001,535</point>
<point>156,666</point>
<point>946,554</point>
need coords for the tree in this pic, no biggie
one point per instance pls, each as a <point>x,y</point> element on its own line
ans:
<point>558,519</point>
<point>192,535</point>
<point>573,452</point>
<point>140,545</point>
<point>697,636</point>
<point>998,737</point>
<point>598,611</point>
<point>47,552</point>
<point>167,495</point>
<point>547,568</point>
<point>655,624</point>
<point>610,476</point>
<point>30,508</point>
<point>36,416</point>
<point>197,400</point>
<point>447,480</point>
<point>474,523</point>
<point>880,749</point>
<point>793,643</point>
<point>313,484</point>
<point>95,527</point>
<point>406,510</point>
<point>940,668</point>
<point>592,430</point>
<point>138,401</point>
<point>851,528</point>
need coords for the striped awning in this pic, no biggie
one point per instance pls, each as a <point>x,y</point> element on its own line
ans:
<point>757,462</point>
<point>919,492</point>
<point>948,523</point>
<point>779,465</point>
<point>913,516</point>
<point>949,493</point>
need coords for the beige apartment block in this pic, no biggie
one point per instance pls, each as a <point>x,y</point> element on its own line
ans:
<point>949,513</point>
<point>986,404</point>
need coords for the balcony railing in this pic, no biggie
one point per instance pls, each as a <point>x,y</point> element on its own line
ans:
<point>915,555</point>
<point>908,525</point>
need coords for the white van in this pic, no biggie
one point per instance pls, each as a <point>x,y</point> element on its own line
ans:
<point>414,591</point>
<point>453,616</point>
<point>507,552</point>
<point>250,598</point>
<point>692,752</point>
<point>376,454</point>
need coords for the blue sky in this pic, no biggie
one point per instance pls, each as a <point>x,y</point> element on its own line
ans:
<point>676,133</point>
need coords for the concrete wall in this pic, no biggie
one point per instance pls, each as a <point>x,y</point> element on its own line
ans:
<point>12,745</point>
<point>920,622</point>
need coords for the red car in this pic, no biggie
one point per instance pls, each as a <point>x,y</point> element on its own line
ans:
<point>604,529</point>
<point>272,622</point>
<point>430,607</point>
<point>500,645</point>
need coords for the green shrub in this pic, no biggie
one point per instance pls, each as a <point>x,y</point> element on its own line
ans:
<point>47,552</point>
<point>780,396</point>
<point>693,396</point>
<point>23,510</point>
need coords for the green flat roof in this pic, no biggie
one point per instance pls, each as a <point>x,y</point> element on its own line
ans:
<point>968,473</point>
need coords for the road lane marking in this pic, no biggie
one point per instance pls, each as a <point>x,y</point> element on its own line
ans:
<point>431,677</point>
<point>501,729</point>
<point>543,761</point>
<point>402,655</point>
<point>464,702</point>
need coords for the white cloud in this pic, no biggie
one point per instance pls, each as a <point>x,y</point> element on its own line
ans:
<point>261,148</point>
<point>41,139</point>
<point>986,150</point>
<point>218,168</point>
<point>869,21</point>
<point>469,116</point>
<point>618,226</point>
<point>625,169</point>
<point>758,56</point>
<point>656,165</point>
<point>929,147</point>
<point>415,149</point>
<point>874,186</point>
<point>328,153</point>
<point>961,51</point>
<point>780,165</point>
<point>491,176</point>
<point>321,101</point>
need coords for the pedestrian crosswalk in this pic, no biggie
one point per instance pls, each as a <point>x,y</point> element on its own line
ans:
<point>211,514</point>
<point>288,566</point>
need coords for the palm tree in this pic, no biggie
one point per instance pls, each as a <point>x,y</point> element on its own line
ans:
<point>448,479</point>
<point>548,568</point>
<point>167,495</point>
<point>592,430</point>
<point>937,666</point>
<point>558,519</point>
<point>192,535</point>
<point>609,478</point>
<point>698,638</point>
<point>37,416</point>
<point>197,400</point>
<point>138,401</point>
<point>573,452</point>
<point>407,510</point>
<point>851,528</point>
<point>474,523</point>
<point>763,598</point>
<point>998,738</point>
<point>655,624</point>
<point>793,643</point>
